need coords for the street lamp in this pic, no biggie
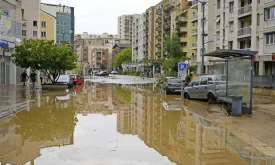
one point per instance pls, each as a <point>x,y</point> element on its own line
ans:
<point>203,3</point>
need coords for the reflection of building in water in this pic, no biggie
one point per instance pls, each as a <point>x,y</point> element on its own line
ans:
<point>22,136</point>
<point>95,99</point>
<point>186,137</point>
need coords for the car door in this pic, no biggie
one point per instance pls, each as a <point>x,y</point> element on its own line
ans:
<point>193,89</point>
<point>203,88</point>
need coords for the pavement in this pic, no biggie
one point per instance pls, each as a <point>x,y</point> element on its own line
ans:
<point>14,99</point>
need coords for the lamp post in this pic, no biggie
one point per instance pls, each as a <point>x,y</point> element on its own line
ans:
<point>203,3</point>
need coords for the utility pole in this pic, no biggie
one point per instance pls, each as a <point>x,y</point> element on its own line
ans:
<point>203,3</point>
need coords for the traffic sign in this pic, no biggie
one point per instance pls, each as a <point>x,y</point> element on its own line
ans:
<point>182,66</point>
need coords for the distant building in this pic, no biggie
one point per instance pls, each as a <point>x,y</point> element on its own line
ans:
<point>99,59</point>
<point>48,26</point>
<point>65,21</point>
<point>125,27</point>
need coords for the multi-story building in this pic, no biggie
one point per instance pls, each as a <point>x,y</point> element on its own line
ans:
<point>99,59</point>
<point>47,26</point>
<point>11,16</point>
<point>65,21</point>
<point>125,27</point>
<point>139,38</point>
<point>158,21</point>
<point>197,19</point>
<point>266,39</point>
<point>150,35</point>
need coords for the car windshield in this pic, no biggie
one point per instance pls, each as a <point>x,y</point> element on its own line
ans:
<point>63,78</point>
<point>175,80</point>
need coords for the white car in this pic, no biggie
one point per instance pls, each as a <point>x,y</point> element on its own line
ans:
<point>114,72</point>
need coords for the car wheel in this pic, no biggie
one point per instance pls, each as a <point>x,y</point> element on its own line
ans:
<point>186,96</point>
<point>211,97</point>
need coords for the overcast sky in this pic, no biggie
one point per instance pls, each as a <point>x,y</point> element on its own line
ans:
<point>99,16</point>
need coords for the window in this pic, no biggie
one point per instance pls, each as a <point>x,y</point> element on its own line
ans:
<point>43,34</point>
<point>258,19</point>
<point>6,12</point>
<point>196,82</point>
<point>24,33</point>
<point>218,4</point>
<point>210,80</point>
<point>43,24</point>
<point>231,7</point>
<point>230,45</point>
<point>204,81</point>
<point>35,23</point>
<point>270,13</point>
<point>270,38</point>
<point>34,33</point>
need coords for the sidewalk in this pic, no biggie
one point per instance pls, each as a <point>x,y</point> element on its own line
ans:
<point>14,99</point>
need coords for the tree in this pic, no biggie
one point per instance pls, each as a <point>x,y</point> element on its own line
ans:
<point>46,56</point>
<point>173,47</point>
<point>123,56</point>
<point>175,55</point>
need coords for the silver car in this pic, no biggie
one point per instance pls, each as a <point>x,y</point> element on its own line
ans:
<point>208,87</point>
<point>172,84</point>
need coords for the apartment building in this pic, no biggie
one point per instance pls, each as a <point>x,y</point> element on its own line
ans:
<point>158,20</point>
<point>211,18</point>
<point>65,21</point>
<point>150,35</point>
<point>139,38</point>
<point>47,26</point>
<point>99,59</point>
<point>125,27</point>
<point>11,16</point>
<point>266,38</point>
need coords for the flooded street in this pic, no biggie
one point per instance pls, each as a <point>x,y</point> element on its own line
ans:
<point>101,124</point>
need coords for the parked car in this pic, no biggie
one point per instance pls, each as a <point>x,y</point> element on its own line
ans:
<point>172,84</point>
<point>114,72</point>
<point>65,79</point>
<point>208,87</point>
<point>103,73</point>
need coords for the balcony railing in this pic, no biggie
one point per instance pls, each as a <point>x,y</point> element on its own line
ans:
<point>267,1</point>
<point>195,2</point>
<point>194,45</point>
<point>194,31</point>
<point>195,17</point>
<point>245,9</point>
<point>244,31</point>
<point>193,59</point>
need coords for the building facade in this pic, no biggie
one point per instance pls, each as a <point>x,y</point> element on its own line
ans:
<point>10,36</point>
<point>150,35</point>
<point>125,27</point>
<point>65,21</point>
<point>99,59</point>
<point>48,26</point>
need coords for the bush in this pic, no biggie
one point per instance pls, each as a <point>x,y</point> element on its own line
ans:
<point>188,78</point>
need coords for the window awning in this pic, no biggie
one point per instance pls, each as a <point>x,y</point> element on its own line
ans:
<point>225,53</point>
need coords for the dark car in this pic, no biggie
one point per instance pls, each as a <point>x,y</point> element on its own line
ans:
<point>172,85</point>
<point>103,73</point>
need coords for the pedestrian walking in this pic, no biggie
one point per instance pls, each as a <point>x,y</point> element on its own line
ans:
<point>142,75</point>
<point>24,77</point>
<point>41,77</point>
<point>33,78</point>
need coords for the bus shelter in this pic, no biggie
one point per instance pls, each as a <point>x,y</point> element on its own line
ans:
<point>238,71</point>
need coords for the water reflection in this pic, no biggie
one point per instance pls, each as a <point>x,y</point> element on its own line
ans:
<point>46,124</point>
<point>186,137</point>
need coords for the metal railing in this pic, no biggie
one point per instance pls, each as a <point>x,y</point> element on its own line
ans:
<point>244,31</point>
<point>264,81</point>
<point>245,9</point>
<point>195,2</point>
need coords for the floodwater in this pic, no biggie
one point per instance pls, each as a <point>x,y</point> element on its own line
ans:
<point>101,124</point>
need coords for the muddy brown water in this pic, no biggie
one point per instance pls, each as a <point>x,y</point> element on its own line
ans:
<point>121,125</point>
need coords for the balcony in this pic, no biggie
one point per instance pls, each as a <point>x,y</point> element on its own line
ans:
<point>244,32</point>
<point>194,17</point>
<point>244,11</point>
<point>194,45</point>
<point>194,59</point>
<point>169,7</point>
<point>194,32</point>
<point>183,39</point>
<point>270,23</point>
<point>182,29</point>
<point>181,19</point>
<point>168,26</point>
<point>195,4</point>
<point>218,12</point>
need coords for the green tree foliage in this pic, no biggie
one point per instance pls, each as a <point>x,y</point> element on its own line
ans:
<point>46,56</point>
<point>173,47</point>
<point>175,55</point>
<point>123,56</point>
